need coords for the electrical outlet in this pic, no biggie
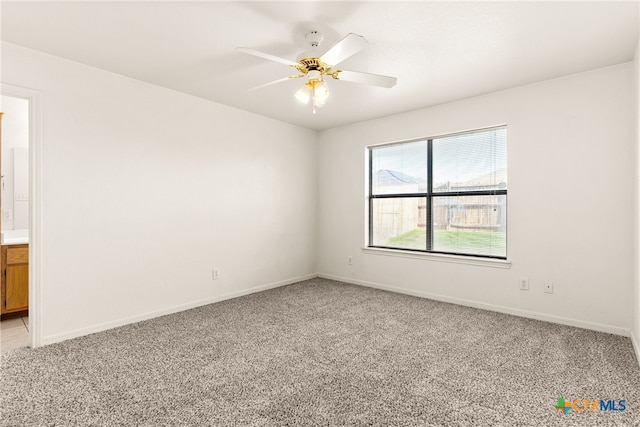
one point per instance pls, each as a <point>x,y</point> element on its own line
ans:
<point>350,261</point>
<point>524,284</point>
<point>548,287</point>
<point>215,274</point>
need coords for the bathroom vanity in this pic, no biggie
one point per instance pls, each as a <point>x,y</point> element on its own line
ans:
<point>15,280</point>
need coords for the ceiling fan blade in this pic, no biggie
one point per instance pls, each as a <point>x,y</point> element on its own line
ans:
<point>284,79</point>
<point>266,56</point>
<point>367,78</point>
<point>349,45</point>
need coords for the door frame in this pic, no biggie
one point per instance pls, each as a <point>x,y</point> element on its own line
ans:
<point>35,203</point>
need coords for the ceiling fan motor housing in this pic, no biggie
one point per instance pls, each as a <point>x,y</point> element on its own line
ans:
<point>310,60</point>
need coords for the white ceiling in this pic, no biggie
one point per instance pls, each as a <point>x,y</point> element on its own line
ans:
<point>439,51</point>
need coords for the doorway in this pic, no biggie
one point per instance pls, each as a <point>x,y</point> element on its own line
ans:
<point>19,214</point>
<point>14,220</point>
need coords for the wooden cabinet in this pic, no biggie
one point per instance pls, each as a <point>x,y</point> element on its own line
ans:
<point>15,280</point>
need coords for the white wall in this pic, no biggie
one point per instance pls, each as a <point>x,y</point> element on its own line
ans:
<point>15,140</point>
<point>145,190</point>
<point>570,204</point>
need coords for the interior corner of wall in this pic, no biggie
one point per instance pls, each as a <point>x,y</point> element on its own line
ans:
<point>635,341</point>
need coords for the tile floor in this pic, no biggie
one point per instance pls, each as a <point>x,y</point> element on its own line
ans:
<point>14,333</point>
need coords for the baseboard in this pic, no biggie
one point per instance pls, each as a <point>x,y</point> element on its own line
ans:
<point>490,307</point>
<point>150,315</point>
<point>459,301</point>
<point>636,345</point>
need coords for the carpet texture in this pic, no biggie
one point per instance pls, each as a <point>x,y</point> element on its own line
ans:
<point>326,353</point>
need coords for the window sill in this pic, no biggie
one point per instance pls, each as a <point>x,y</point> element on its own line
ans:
<point>456,259</point>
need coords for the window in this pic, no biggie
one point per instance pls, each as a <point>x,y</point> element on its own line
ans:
<point>443,195</point>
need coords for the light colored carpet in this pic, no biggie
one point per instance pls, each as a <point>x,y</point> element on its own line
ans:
<point>321,352</point>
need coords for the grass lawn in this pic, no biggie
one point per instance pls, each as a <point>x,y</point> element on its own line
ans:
<point>458,241</point>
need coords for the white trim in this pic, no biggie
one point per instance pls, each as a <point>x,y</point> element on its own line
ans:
<point>636,346</point>
<point>35,202</point>
<point>457,259</point>
<point>490,307</point>
<point>150,315</point>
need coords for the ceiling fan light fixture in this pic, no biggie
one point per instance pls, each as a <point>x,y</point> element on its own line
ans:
<point>320,93</point>
<point>315,90</point>
<point>303,94</point>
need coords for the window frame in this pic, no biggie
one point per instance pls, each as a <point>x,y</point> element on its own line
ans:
<point>429,195</point>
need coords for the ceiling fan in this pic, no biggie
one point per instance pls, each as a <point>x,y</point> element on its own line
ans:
<point>315,67</point>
